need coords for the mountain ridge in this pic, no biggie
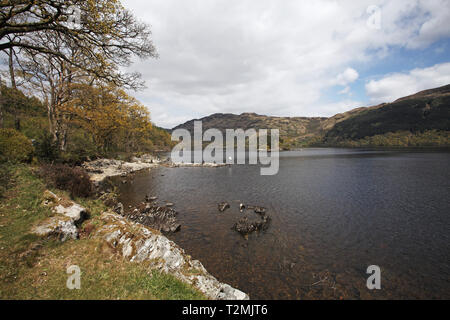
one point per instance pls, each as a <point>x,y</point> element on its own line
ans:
<point>413,115</point>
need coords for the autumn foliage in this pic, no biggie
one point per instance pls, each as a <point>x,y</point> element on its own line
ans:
<point>111,117</point>
<point>76,71</point>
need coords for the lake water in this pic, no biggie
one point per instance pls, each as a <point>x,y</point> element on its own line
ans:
<point>334,213</point>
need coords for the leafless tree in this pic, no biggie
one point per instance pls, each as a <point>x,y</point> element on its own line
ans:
<point>106,34</point>
<point>53,79</point>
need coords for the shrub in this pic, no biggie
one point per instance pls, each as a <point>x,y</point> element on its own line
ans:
<point>46,148</point>
<point>15,147</point>
<point>72,179</point>
<point>80,148</point>
<point>5,177</point>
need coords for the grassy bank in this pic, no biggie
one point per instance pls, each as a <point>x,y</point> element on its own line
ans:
<point>35,268</point>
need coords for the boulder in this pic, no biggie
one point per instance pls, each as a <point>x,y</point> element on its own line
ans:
<point>64,225</point>
<point>60,227</point>
<point>75,212</point>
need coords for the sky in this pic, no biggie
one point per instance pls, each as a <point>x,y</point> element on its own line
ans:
<point>290,57</point>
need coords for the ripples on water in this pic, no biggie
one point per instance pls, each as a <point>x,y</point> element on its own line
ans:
<point>334,212</point>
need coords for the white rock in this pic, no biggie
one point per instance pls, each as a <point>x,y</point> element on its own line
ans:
<point>64,224</point>
<point>101,169</point>
<point>59,226</point>
<point>138,244</point>
<point>75,212</point>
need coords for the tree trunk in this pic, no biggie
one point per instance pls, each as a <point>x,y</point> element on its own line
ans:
<point>63,135</point>
<point>17,122</point>
<point>63,140</point>
<point>1,110</point>
<point>1,104</point>
<point>51,110</point>
<point>14,86</point>
<point>50,121</point>
<point>11,69</point>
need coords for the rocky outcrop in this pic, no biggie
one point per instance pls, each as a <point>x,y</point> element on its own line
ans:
<point>101,169</point>
<point>161,218</point>
<point>136,234</point>
<point>245,226</point>
<point>135,242</point>
<point>68,217</point>
<point>138,243</point>
<point>59,227</point>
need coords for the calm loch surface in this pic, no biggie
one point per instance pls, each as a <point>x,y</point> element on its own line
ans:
<point>334,213</point>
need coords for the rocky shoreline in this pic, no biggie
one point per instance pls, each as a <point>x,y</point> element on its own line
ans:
<point>160,217</point>
<point>137,243</point>
<point>134,242</point>
<point>101,169</point>
<point>136,234</point>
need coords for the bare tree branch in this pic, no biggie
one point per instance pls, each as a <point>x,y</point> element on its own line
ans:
<point>106,36</point>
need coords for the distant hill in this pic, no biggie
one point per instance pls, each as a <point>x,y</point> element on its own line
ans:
<point>419,119</point>
<point>296,128</point>
<point>413,115</point>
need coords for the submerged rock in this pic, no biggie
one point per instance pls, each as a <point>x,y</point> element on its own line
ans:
<point>256,209</point>
<point>161,218</point>
<point>223,206</point>
<point>245,227</point>
<point>260,210</point>
<point>150,199</point>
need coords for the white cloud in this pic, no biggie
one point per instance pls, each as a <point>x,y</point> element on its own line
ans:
<point>398,85</point>
<point>269,56</point>
<point>350,75</point>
